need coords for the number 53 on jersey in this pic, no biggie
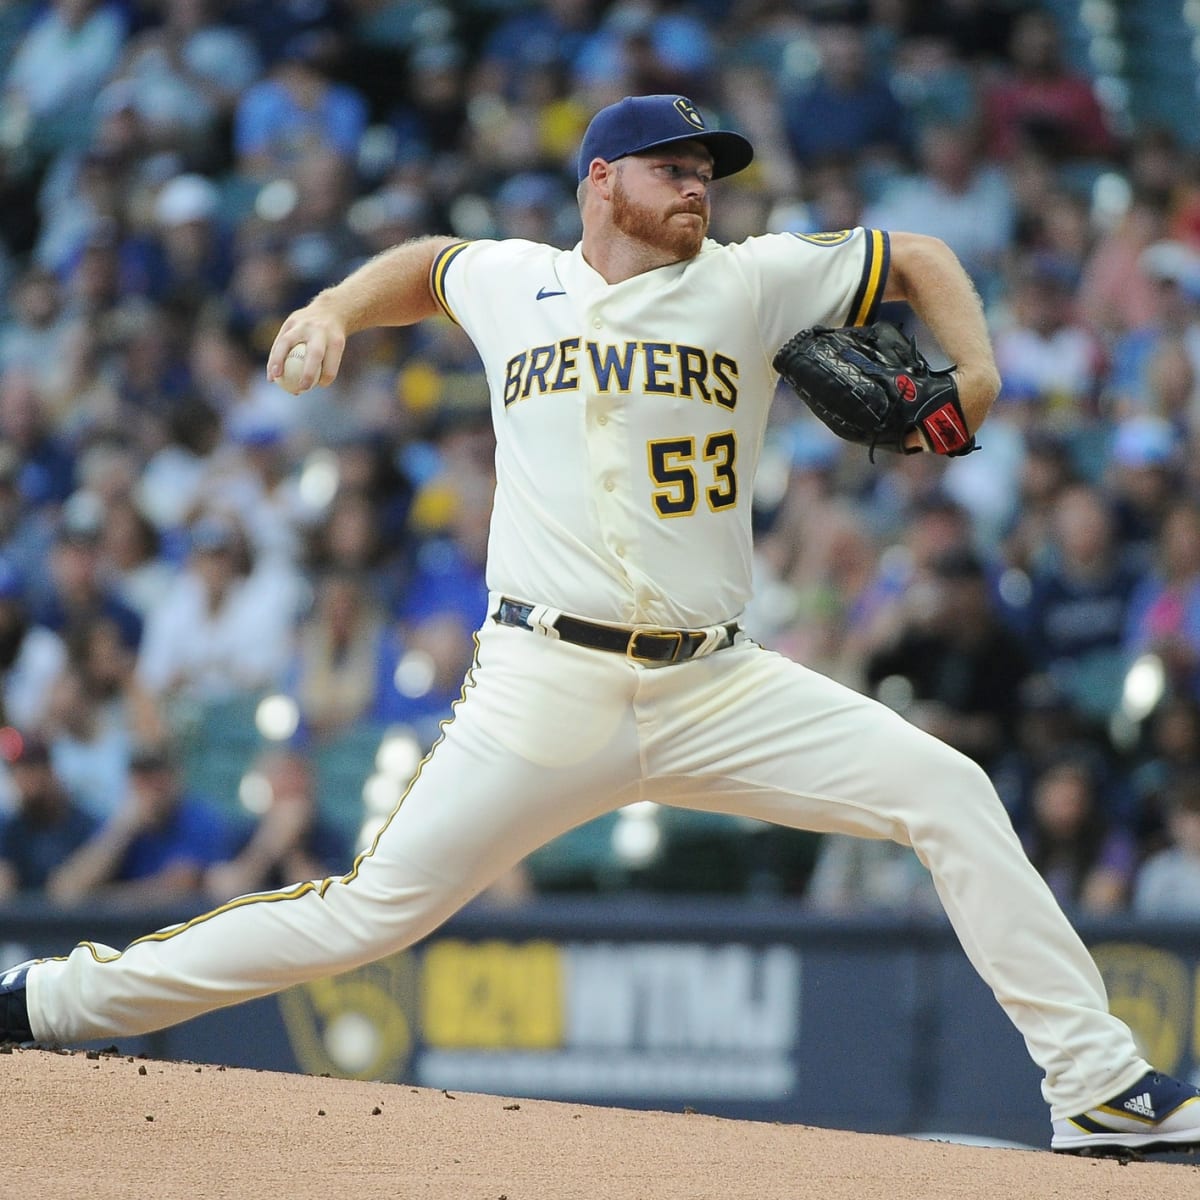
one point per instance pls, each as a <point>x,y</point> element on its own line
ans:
<point>680,476</point>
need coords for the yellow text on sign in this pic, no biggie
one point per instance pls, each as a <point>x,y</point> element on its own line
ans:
<point>492,995</point>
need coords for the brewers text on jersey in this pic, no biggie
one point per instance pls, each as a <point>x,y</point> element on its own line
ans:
<point>652,368</point>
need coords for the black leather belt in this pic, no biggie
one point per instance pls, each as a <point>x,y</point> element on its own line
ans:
<point>642,645</point>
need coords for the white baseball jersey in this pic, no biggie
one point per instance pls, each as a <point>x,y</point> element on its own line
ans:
<point>629,417</point>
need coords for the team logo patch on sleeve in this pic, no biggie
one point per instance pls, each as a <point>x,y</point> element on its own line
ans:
<point>835,238</point>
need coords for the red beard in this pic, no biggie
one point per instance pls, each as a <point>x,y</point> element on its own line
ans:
<point>681,240</point>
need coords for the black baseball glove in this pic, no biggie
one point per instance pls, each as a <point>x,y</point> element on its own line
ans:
<point>872,386</point>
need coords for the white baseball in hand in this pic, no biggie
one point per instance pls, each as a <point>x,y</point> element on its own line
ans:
<point>293,368</point>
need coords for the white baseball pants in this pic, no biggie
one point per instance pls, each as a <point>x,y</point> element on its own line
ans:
<point>549,735</point>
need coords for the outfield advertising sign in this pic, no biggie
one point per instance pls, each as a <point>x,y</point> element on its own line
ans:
<point>734,1010</point>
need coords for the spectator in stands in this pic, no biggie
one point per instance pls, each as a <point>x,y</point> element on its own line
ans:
<point>846,111</point>
<point>76,590</point>
<point>336,664</point>
<point>960,668</point>
<point>157,845</point>
<point>290,841</point>
<point>261,288</point>
<point>1174,271</point>
<point>452,516</point>
<point>1079,603</point>
<point>936,526</point>
<point>1042,102</point>
<point>93,280</point>
<point>186,73</point>
<point>150,369</point>
<point>191,250</point>
<point>857,876</point>
<point>349,539</point>
<point>422,665</point>
<point>227,367</point>
<point>32,334</point>
<point>954,195</point>
<point>68,52</point>
<point>47,473</point>
<point>1046,471</point>
<point>1046,348</point>
<point>295,109</point>
<point>817,558</point>
<point>1170,748</point>
<point>46,826</point>
<point>107,670</point>
<point>1164,611</point>
<point>319,237</point>
<point>31,656</point>
<point>173,471</point>
<point>444,599</point>
<point>369,465</point>
<point>251,475</point>
<point>132,554</point>
<point>25,531</point>
<point>530,206</point>
<point>1144,479</point>
<point>1168,882</point>
<point>1048,726</point>
<point>274,24</point>
<point>1086,858</point>
<point>933,81</point>
<point>647,48</point>
<point>544,38</point>
<point>97,709</point>
<point>90,753</point>
<point>225,627</point>
<point>1062,226</point>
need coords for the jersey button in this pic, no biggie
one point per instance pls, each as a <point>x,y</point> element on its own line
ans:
<point>619,551</point>
<point>610,485</point>
<point>597,324</point>
<point>601,420</point>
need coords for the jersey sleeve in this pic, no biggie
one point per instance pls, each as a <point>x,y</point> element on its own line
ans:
<point>801,280</point>
<point>439,276</point>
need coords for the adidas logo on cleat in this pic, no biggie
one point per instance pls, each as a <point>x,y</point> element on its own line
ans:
<point>1141,1105</point>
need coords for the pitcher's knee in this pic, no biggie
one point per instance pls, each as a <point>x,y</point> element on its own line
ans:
<point>959,793</point>
<point>391,919</point>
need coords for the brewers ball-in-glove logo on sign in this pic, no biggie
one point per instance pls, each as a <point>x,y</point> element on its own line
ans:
<point>1157,993</point>
<point>359,1025</point>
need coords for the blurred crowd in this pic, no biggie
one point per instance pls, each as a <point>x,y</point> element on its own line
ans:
<point>199,571</point>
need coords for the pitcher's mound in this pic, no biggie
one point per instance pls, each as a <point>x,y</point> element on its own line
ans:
<point>102,1127</point>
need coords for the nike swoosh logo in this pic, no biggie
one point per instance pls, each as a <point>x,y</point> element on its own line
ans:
<point>545,295</point>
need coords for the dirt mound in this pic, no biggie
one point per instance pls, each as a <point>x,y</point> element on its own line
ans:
<point>105,1126</point>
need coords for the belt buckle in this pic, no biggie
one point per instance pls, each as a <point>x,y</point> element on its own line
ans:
<point>631,651</point>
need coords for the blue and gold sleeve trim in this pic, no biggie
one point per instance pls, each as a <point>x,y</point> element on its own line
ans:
<point>437,276</point>
<point>867,299</point>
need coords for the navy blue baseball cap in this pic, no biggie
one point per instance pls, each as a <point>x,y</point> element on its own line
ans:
<point>645,122</point>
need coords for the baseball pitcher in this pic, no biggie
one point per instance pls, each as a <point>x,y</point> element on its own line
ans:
<point>630,381</point>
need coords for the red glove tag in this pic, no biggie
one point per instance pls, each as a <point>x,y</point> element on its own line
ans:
<point>945,429</point>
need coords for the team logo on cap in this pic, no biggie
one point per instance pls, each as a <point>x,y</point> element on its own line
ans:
<point>689,112</point>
